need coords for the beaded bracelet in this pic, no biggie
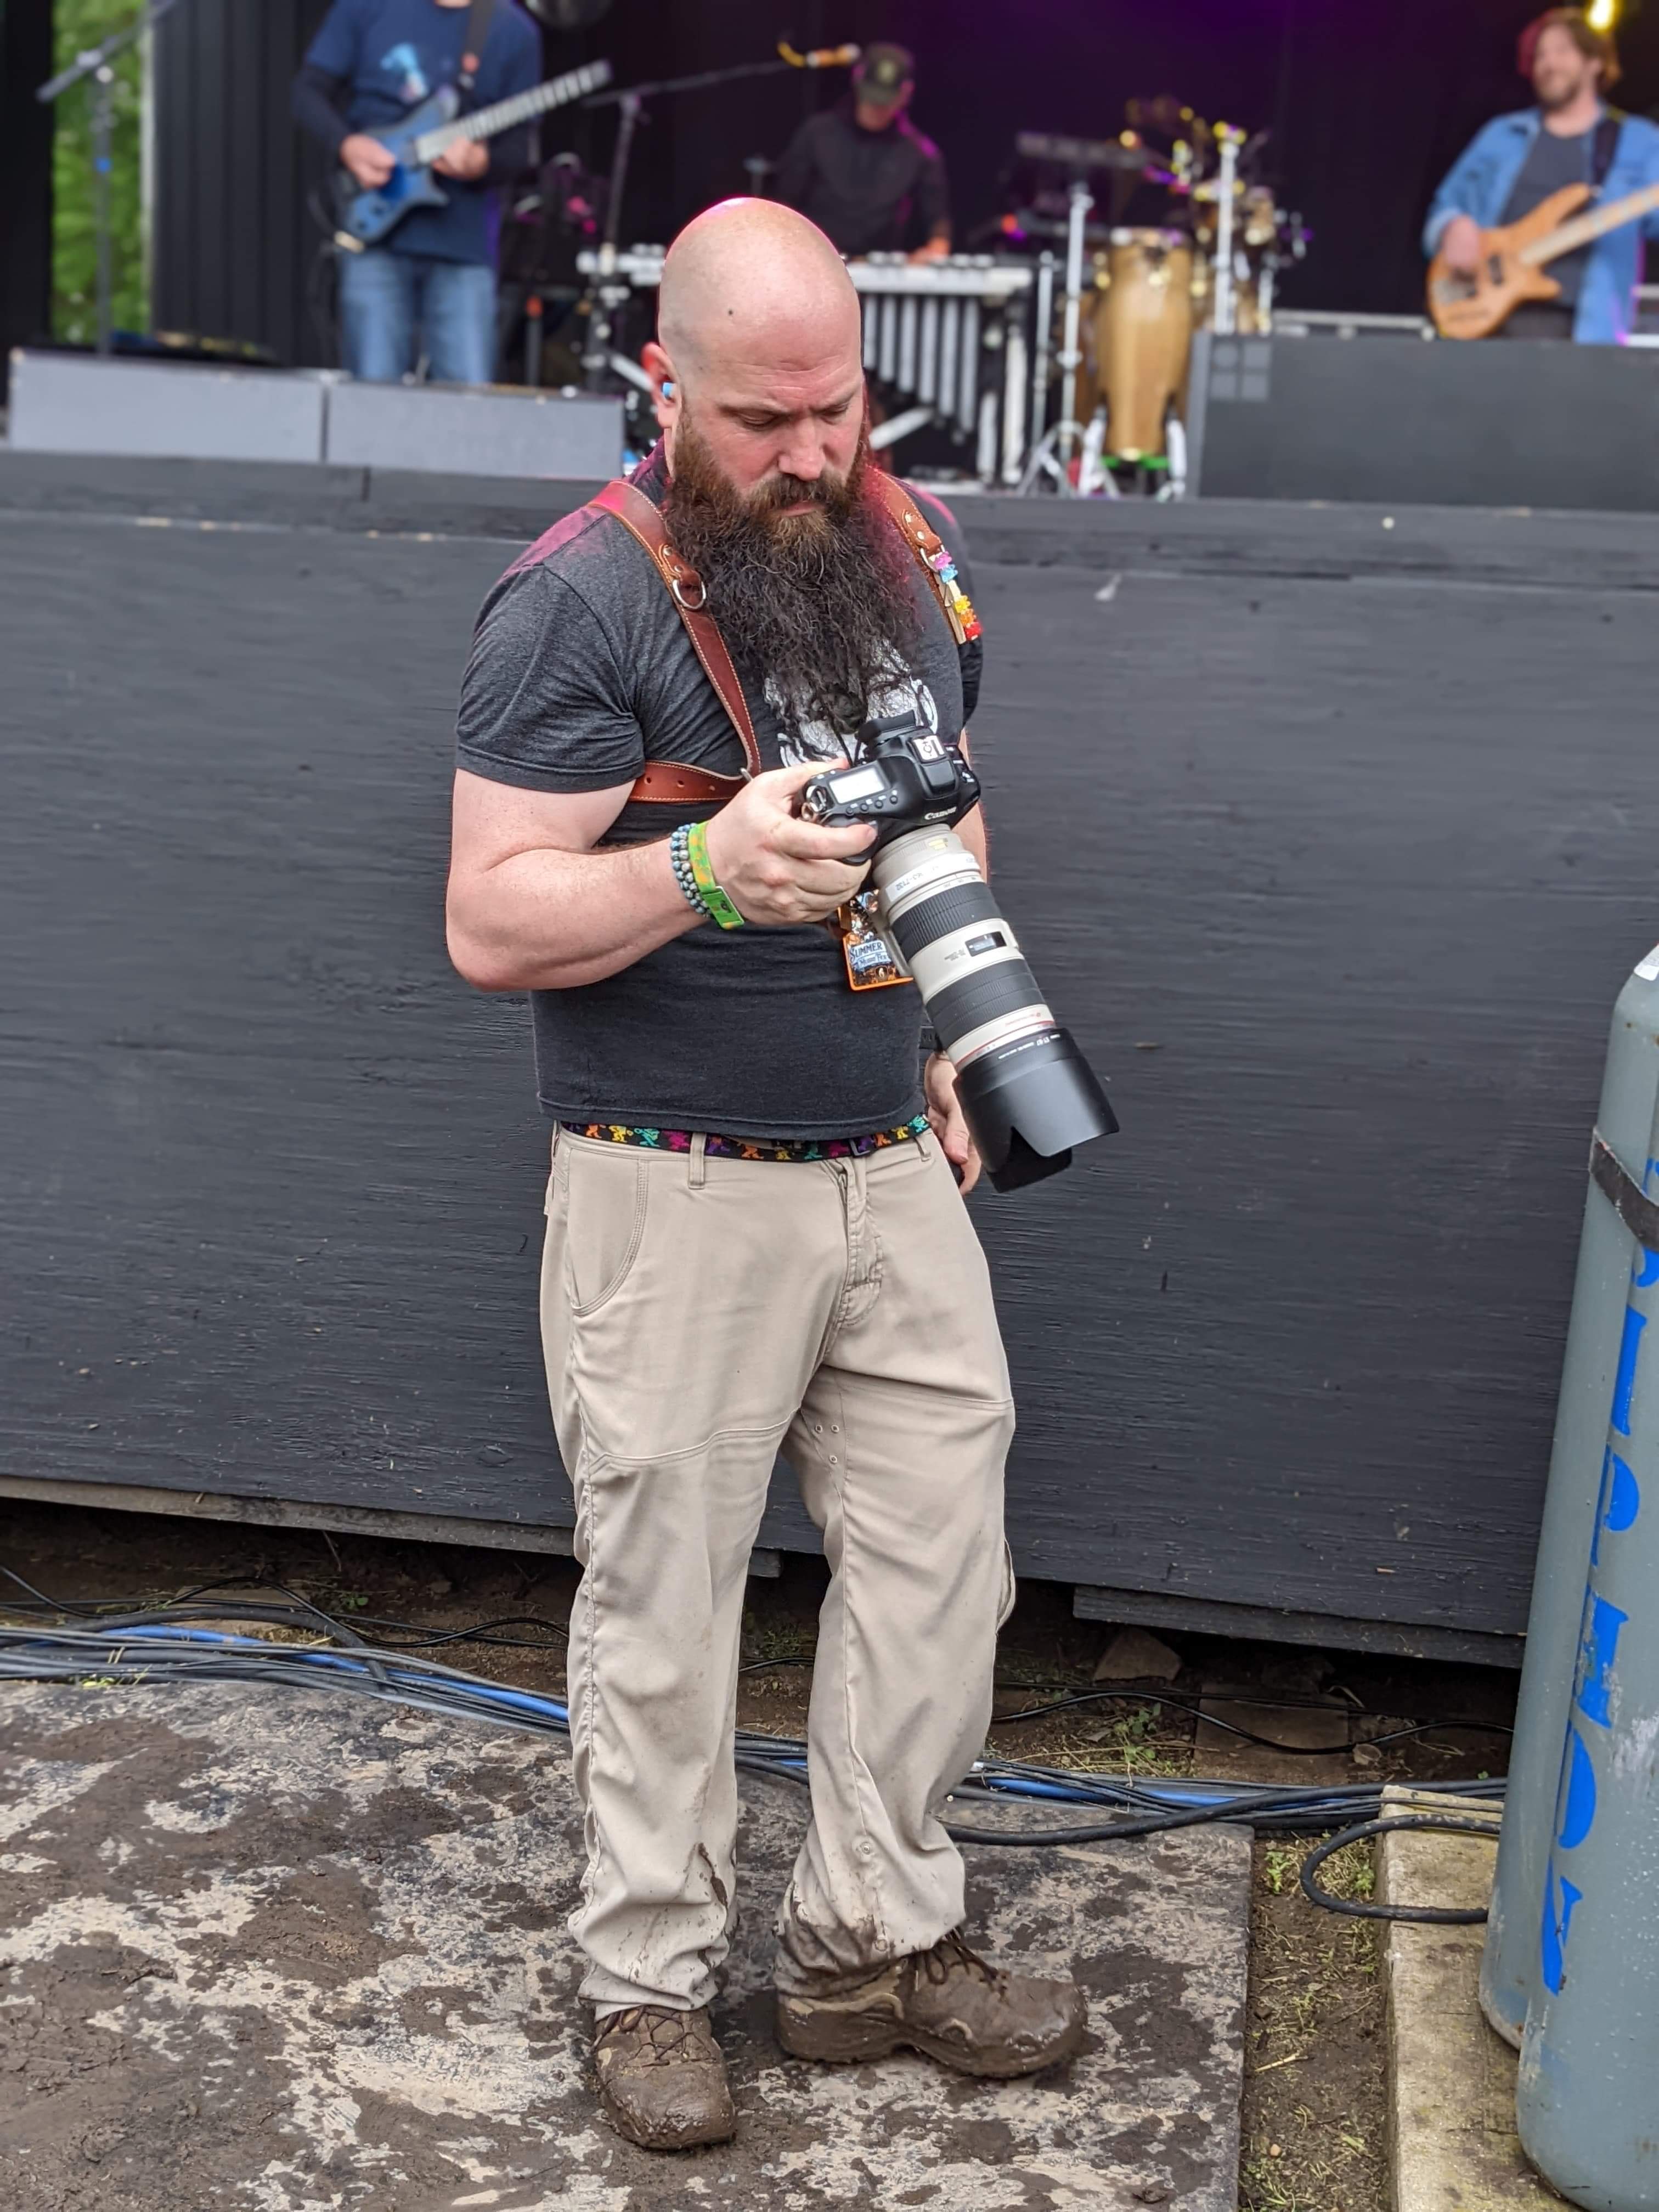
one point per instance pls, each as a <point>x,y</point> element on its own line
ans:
<point>713,899</point>
<point>681,864</point>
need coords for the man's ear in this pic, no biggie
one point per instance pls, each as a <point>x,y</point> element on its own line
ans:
<point>664,385</point>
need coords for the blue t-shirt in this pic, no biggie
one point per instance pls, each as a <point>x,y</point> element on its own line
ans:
<point>392,55</point>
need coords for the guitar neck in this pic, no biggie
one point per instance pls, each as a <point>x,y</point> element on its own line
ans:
<point>506,115</point>
<point>1583,227</point>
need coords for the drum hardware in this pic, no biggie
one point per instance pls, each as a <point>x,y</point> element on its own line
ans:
<point>1222,312</point>
<point>1051,452</point>
<point>946,337</point>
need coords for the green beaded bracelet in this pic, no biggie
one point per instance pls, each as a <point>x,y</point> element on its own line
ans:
<point>720,908</point>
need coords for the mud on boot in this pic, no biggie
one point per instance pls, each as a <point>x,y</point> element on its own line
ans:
<point>947,2002</point>
<point>662,2081</point>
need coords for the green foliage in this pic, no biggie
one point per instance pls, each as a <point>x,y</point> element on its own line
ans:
<point>79,24</point>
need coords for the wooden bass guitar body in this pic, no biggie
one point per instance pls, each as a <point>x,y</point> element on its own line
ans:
<point>1475,306</point>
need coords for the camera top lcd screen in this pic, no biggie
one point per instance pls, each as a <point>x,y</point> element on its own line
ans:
<point>857,783</point>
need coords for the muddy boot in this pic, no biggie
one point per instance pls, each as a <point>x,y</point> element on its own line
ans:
<point>948,2002</point>
<point>662,2080</point>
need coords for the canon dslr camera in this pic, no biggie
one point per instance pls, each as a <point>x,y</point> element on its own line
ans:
<point>1029,1094</point>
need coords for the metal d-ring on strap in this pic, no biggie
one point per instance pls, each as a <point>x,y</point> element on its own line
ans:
<point>1638,1212</point>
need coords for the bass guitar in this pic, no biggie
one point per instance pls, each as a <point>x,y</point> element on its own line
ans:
<point>1513,259</point>
<point>366,215</point>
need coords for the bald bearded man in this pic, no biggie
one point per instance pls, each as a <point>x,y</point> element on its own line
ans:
<point>755,1241</point>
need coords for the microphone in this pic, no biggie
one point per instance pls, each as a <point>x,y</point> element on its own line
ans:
<point>820,56</point>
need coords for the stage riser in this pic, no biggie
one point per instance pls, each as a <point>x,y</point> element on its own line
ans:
<point>1359,859</point>
<point>64,403</point>
<point>1412,421</point>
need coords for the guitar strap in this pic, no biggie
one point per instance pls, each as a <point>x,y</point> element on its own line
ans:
<point>1604,146</point>
<point>480,16</point>
<point>678,783</point>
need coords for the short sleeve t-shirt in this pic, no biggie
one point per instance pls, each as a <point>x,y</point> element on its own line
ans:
<point>392,55</point>
<point>580,671</point>
<point>1551,163</point>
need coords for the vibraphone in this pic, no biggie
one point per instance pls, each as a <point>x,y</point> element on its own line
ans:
<point>946,341</point>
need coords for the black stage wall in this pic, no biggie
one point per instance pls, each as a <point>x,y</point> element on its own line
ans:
<point>1334,844</point>
<point>26,129</point>
<point>1370,99</point>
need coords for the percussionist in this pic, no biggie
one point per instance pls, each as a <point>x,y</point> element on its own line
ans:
<point>863,173</point>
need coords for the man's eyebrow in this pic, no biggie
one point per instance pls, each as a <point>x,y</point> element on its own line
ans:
<point>788,414</point>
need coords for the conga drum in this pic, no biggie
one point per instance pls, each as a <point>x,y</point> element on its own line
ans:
<point>1140,335</point>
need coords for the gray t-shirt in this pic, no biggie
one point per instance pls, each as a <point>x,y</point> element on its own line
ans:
<point>580,671</point>
<point>1552,163</point>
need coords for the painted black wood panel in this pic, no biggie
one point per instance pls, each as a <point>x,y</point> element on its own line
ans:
<point>1335,880</point>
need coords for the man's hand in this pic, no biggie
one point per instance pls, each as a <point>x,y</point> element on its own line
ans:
<point>776,869</point>
<point>466,160</point>
<point>936,249</point>
<point>1460,242</point>
<point>948,1123</point>
<point>369,161</point>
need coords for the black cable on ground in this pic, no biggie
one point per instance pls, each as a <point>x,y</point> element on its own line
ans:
<point>1232,1728</point>
<point>1355,1909</point>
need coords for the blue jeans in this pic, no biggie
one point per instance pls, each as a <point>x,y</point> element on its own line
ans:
<point>393,306</point>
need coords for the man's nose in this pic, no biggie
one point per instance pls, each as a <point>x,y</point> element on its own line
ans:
<point>800,455</point>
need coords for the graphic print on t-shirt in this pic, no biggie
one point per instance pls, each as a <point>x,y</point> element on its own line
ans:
<point>403,61</point>
<point>803,736</point>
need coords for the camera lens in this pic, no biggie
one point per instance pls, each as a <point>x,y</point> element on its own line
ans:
<point>1029,1094</point>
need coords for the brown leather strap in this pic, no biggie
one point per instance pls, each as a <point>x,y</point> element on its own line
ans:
<point>672,783</point>
<point>666,781</point>
<point>918,533</point>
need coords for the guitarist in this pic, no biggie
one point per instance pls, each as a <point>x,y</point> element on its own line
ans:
<point>1572,136</point>
<point>430,286</point>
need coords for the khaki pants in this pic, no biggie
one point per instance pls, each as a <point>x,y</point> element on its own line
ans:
<point>698,1314</point>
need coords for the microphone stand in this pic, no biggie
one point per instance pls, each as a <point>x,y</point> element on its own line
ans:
<point>94,66</point>
<point>607,296</point>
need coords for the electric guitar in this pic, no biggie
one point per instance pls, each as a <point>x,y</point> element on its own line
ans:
<point>367,215</point>
<point>1512,260</point>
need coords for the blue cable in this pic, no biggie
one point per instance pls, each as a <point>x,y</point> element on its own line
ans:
<point>549,1712</point>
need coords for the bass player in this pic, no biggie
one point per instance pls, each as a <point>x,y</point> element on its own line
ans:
<point>431,288</point>
<point>1570,137</point>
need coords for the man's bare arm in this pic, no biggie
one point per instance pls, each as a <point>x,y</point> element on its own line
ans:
<point>533,906</point>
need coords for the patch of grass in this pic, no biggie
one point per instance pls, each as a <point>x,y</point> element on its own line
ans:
<point>1351,1873</point>
<point>1281,1868</point>
<point>775,1643</point>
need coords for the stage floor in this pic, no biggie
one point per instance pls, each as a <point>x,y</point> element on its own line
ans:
<point>1332,841</point>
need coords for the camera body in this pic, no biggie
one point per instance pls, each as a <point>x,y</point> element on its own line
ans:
<point>1028,1093</point>
<point>903,777</point>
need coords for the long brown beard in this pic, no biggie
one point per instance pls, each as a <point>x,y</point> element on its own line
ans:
<point>816,602</point>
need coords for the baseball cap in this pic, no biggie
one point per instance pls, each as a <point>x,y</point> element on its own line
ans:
<point>883,73</point>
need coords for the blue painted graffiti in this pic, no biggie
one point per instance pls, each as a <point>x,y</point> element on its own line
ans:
<point>1618,1503</point>
<point>1630,1351</point>
<point>1597,1650</point>
<point>1616,1510</point>
<point>1555,1931</point>
<point>1579,1816</point>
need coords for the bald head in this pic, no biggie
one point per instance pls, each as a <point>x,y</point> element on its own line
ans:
<point>760,352</point>
<point>752,282</point>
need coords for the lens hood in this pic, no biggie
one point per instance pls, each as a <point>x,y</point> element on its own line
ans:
<point>1028,1102</point>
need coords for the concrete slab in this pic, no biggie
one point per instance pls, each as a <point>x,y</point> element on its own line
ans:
<point>1451,2080</point>
<point>276,1951</point>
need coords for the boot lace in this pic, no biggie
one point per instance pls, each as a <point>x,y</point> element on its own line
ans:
<point>670,2037</point>
<point>951,1955</point>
